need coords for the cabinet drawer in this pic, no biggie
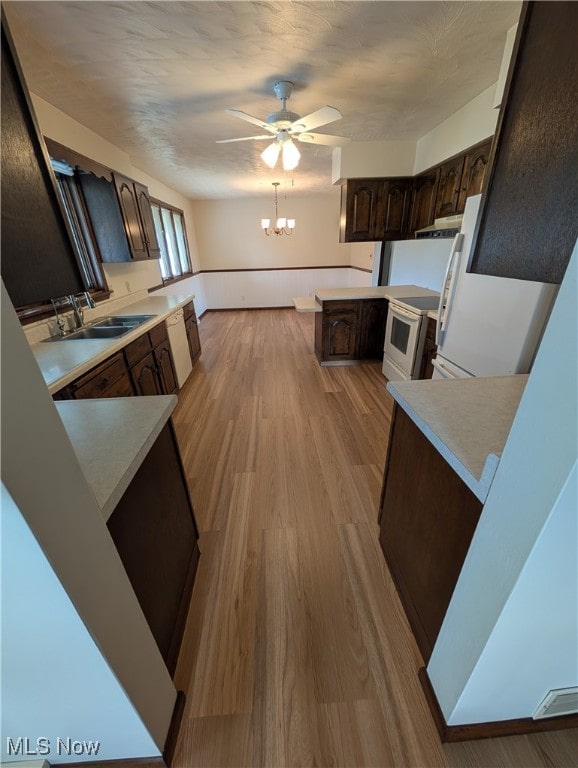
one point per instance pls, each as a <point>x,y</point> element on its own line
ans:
<point>137,349</point>
<point>158,334</point>
<point>100,379</point>
<point>341,307</point>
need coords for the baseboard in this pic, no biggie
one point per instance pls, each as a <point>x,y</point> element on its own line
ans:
<point>244,309</point>
<point>489,730</point>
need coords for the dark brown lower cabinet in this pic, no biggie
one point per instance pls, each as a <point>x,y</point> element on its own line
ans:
<point>155,533</point>
<point>109,379</point>
<point>352,329</point>
<point>145,377</point>
<point>192,329</point>
<point>427,520</point>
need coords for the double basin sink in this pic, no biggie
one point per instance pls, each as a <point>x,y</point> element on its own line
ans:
<point>105,328</point>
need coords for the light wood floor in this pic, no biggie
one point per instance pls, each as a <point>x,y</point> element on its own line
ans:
<point>297,651</point>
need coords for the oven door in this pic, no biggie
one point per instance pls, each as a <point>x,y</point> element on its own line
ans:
<point>402,334</point>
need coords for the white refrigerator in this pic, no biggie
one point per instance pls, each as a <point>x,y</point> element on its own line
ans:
<point>486,326</point>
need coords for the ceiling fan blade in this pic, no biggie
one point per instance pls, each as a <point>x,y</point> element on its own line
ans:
<point>251,119</point>
<point>315,119</point>
<point>321,138</point>
<point>245,138</point>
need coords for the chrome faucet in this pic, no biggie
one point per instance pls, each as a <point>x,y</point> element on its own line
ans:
<point>78,309</point>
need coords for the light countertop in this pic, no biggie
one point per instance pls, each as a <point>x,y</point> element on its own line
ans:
<point>111,438</point>
<point>63,361</point>
<point>466,420</point>
<point>373,292</point>
<point>306,304</point>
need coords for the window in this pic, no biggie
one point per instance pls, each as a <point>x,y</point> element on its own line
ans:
<point>172,237</point>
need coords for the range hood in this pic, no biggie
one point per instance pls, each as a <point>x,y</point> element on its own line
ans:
<point>449,226</point>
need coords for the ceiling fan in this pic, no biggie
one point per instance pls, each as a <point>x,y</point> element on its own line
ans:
<point>286,126</point>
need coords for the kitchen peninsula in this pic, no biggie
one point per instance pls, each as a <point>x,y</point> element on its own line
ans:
<point>63,361</point>
<point>350,322</point>
<point>445,444</point>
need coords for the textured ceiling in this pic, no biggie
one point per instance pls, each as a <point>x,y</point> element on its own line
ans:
<point>154,77</point>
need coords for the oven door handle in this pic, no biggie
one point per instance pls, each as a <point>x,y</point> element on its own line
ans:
<point>447,286</point>
<point>395,309</point>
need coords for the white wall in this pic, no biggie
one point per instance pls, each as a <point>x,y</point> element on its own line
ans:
<point>536,465</point>
<point>472,123</point>
<point>547,657</point>
<point>419,262</point>
<point>42,475</point>
<point>372,159</point>
<point>55,682</point>
<point>229,234</point>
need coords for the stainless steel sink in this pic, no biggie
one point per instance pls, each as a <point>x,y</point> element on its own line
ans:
<point>123,320</point>
<point>92,332</point>
<point>106,328</point>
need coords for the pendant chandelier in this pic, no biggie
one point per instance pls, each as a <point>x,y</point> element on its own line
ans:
<point>282,226</point>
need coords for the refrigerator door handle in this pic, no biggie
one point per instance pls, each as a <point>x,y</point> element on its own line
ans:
<point>447,287</point>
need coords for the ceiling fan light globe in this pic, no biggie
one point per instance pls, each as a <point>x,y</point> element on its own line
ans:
<point>270,154</point>
<point>291,156</point>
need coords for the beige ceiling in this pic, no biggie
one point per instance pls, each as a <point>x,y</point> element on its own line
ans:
<point>154,77</point>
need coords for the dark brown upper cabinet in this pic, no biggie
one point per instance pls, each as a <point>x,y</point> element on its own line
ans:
<point>474,172</point>
<point>447,199</point>
<point>375,209</point>
<point>393,208</point>
<point>137,215</point>
<point>425,187</point>
<point>359,201</point>
<point>38,257</point>
<point>528,224</point>
<point>143,202</point>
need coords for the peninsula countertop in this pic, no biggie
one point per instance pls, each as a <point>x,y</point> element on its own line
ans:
<point>388,292</point>
<point>466,420</point>
<point>111,438</point>
<point>63,361</point>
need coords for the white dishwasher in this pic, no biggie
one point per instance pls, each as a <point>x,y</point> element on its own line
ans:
<point>179,346</point>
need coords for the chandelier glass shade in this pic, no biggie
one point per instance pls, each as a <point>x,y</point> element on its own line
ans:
<point>283,226</point>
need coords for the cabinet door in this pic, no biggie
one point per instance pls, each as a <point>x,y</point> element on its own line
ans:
<point>131,217</point>
<point>148,226</point>
<point>154,530</point>
<point>393,209</point>
<point>528,224</point>
<point>473,174</point>
<point>372,329</point>
<point>361,201</point>
<point>449,187</point>
<point>423,201</point>
<point>166,368</point>
<point>193,337</point>
<point>426,527</point>
<point>145,377</point>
